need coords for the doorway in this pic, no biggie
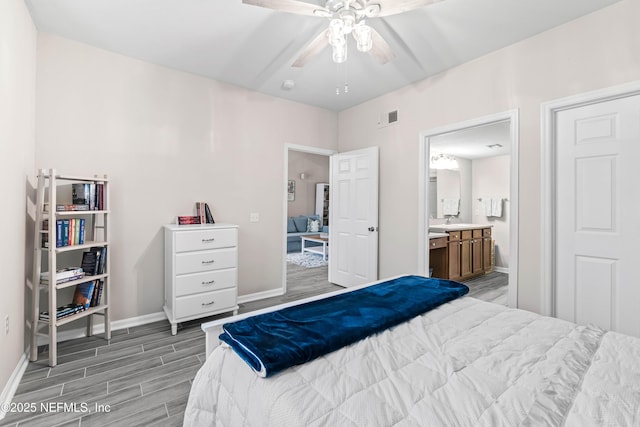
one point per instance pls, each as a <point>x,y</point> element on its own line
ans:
<point>306,169</point>
<point>476,146</point>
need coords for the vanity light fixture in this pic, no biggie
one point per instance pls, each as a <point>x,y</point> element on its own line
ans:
<point>443,161</point>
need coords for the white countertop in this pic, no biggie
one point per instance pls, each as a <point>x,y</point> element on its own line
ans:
<point>443,228</point>
<point>437,235</point>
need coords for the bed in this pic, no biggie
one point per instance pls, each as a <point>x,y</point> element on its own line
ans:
<point>464,363</point>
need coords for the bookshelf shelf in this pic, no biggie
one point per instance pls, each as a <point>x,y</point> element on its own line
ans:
<point>60,231</point>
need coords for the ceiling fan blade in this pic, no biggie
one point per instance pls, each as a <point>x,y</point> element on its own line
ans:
<point>393,7</point>
<point>290,6</point>
<point>316,46</point>
<point>380,50</point>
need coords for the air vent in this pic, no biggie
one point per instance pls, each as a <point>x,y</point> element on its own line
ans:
<point>388,118</point>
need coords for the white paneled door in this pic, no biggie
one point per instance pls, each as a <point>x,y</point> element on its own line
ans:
<point>353,224</point>
<point>598,214</point>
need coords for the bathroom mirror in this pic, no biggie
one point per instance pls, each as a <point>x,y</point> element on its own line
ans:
<point>444,193</point>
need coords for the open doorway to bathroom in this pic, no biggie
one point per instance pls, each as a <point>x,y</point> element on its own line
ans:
<point>306,216</point>
<point>468,216</point>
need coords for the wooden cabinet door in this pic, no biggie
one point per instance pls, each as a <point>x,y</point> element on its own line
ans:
<point>476,255</point>
<point>466,266</point>
<point>486,254</point>
<point>454,260</point>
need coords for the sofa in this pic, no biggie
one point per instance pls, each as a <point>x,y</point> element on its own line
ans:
<point>299,226</point>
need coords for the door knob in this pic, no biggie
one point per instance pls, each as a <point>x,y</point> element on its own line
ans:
<point>371,229</point>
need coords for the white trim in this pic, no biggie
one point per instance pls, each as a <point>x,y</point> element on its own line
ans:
<point>98,328</point>
<point>548,111</point>
<point>304,149</point>
<point>423,171</point>
<point>260,295</point>
<point>501,269</point>
<point>12,385</point>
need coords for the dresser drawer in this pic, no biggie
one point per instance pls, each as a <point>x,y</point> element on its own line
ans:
<point>197,240</point>
<point>454,235</point>
<point>196,262</point>
<point>477,233</point>
<point>187,284</point>
<point>486,232</point>
<point>207,302</point>
<point>440,242</point>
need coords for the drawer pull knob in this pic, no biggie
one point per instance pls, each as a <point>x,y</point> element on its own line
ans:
<point>208,240</point>
<point>210,282</point>
<point>209,262</point>
<point>206,304</point>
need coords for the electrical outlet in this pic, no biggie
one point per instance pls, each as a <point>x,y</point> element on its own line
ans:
<point>254,217</point>
<point>6,324</point>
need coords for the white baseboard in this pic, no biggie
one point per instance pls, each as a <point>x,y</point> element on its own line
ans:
<point>501,269</point>
<point>98,326</point>
<point>260,295</point>
<point>12,385</point>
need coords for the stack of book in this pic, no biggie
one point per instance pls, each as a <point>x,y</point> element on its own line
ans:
<point>68,232</point>
<point>90,194</point>
<point>93,260</point>
<point>64,311</point>
<point>63,275</point>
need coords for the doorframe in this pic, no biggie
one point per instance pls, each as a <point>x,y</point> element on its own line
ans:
<point>548,171</point>
<point>304,149</point>
<point>423,199</point>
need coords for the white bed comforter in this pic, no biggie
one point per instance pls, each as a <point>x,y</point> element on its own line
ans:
<point>467,363</point>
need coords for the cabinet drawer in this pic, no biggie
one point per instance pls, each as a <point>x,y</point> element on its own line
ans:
<point>207,302</point>
<point>477,233</point>
<point>486,232</point>
<point>466,234</point>
<point>196,262</point>
<point>440,242</point>
<point>454,235</point>
<point>188,284</point>
<point>197,240</point>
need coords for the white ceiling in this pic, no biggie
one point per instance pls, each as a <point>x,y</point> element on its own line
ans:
<point>474,143</point>
<point>254,47</point>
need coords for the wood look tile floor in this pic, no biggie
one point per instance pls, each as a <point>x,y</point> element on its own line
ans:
<point>144,374</point>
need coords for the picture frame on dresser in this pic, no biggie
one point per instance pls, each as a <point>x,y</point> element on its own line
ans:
<point>201,271</point>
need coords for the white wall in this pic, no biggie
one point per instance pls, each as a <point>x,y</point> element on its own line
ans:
<point>316,170</point>
<point>17,110</point>
<point>491,179</point>
<point>166,139</point>
<point>595,51</point>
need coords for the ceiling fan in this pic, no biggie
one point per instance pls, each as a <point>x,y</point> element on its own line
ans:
<point>345,17</point>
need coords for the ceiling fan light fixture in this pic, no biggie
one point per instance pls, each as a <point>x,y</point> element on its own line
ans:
<point>362,34</point>
<point>336,34</point>
<point>340,53</point>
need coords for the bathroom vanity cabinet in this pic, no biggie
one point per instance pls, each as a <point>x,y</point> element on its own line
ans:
<point>468,251</point>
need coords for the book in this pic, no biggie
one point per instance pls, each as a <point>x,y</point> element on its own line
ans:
<point>97,293</point>
<point>83,293</point>
<point>81,233</point>
<point>99,297</point>
<point>208,215</point>
<point>58,233</point>
<point>100,196</point>
<point>76,230</point>
<point>102,259</point>
<point>92,197</point>
<point>72,223</point>
<point>184,219</point>
<point>65,232</point>
<point>63,275</point>
<point>80,193</point>
<point>90,262</point>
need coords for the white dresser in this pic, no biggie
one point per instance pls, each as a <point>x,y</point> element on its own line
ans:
<point>200,271</point>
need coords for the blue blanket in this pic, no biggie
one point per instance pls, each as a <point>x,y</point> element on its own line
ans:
<point>274,341</point>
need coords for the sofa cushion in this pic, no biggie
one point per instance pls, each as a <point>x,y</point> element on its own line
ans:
<point>300,223</point>
<point>291,226</point>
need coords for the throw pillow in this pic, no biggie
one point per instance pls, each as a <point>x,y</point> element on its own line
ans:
<point>291,227</point>
<point>313,225</point>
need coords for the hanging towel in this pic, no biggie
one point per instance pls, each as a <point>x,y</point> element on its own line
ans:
<point>488,206</point>
<point>496,208</point>
<point>451,206</point>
